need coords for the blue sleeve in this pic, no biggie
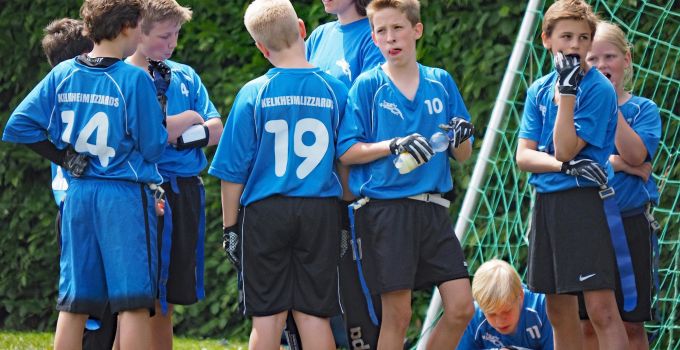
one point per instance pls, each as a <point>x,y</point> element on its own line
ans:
<point>203,105</point>
<point>30,121</point>
<point>146,120</point>
<point>547,342</point>
<point>236,150</point>
<point>456,105</point>
<point>355,124</point>
<point>531,125</point>
<point>648,126</point>
<point>371,55</point>
<point>591,115</point>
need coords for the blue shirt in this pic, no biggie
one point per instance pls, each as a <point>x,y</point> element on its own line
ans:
<point>280,136</point>
<point>110,114</point>
<point>378,111</point>
<point>533,329</point>
<point>343,50</point>
<point>643,116</point>
<point>595,115</point>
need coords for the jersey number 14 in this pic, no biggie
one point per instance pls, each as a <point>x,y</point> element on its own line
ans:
<point>99,123</point>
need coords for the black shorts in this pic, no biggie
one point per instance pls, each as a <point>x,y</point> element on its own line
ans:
<point>186,213</point>
<point>639,236</point>
<point>570,248</point>
<point>408,244</point>
<point>291,248</point>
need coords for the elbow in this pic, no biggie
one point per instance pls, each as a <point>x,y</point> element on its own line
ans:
<point>521,161</point>
<point>634,159</point>
<point>563,155</point>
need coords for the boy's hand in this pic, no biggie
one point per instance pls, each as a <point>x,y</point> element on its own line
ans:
<point>75,163</point>
<point>569,73</point>
<point>161,74</point>
<point>586,168</point>
<point>413,144</point>
<point>461,130</point>
<point>231,243</point>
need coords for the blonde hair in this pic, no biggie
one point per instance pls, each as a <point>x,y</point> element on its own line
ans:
<point>411,8</point>
<point>164,10</point>
<point>569,9</point>
<point>496,285</point>
<point>613,34</point>
<point>273,23</point>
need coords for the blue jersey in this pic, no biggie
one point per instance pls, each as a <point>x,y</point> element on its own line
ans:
<point>533,329</point>
<point>186,92</point>
<point>643,116</point>
<point>110,114</point>
<point>280,135</point>
<point>378,111</point>
<point>595,115</point>
<point>343,50</point>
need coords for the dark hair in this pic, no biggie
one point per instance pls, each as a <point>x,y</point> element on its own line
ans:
<point>106,19</point>
<point>64,39</point>
<point>360,5</point>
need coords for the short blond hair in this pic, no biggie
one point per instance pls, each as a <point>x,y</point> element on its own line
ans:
<point>164,10</point>
<point>273,23</point>
<point>411,8</point>
<point>569,9</point>
<point>613,34</point>
<point>495,285</point>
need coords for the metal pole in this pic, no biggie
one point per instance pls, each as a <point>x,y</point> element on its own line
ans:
<point>479,172</point>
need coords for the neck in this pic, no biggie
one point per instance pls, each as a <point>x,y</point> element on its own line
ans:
<point>401,72</point>
<point>107,48</point>
<point>138,59</point>
<point>292,57</point>
<point>350,15</point>
<point>623,95</point>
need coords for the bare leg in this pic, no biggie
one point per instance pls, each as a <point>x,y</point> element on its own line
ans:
<point>589,335</point>
<point>563,314</point>
<point>315,332</point>
<point>161,328</point>
<point>605,317</point>
<point>458,310</point>
<point>637,335</point>
<point>266,332</point>
<point>69,333</point>
<point>396,316</point>
<point>135,329</point>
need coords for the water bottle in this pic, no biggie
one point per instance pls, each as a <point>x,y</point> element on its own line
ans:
<point>439,142</point>
<point>405,163</point>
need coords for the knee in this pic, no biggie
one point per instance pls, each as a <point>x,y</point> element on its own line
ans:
<point>603,314</point>
<point>460,313</point>
<point>397,316</point>
<point>588,330</point>
<point>635,330</point>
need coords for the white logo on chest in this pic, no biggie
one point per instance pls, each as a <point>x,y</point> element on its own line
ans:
<point>392,108</point>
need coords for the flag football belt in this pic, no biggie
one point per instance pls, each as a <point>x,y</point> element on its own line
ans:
<point>435,198</point>
<point>621,250</point>
<point>356,251</point>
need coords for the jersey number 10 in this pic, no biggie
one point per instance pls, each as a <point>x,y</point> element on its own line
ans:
<point>312,154</point>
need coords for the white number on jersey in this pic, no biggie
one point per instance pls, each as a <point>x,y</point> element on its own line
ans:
<point>534,332</point>
<point>99,123</point>
<point>434,106</point>
<point>312,154</point>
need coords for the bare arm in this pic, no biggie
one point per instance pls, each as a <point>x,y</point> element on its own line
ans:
<point>231,198</point>
<point>343,172</point>
<point>179,123</point>
<point>643,170</point>
<point>566,141</point>
<point>531,160</point>
<point>629,144</point>
<point>362,153</point>
<point>215,127</point>
<point>462,152</point>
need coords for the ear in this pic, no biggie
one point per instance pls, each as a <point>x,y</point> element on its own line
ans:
<point>545,38</point>
<point>262,49</point>
<point>628,58</point>
<point>302,29</point>
<point>419,30</point>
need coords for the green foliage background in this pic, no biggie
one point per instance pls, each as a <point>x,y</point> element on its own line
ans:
<point>472,39</point>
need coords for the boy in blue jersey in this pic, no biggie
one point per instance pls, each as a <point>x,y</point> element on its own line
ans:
<point>507,315</point>
<point>566,137</point>
<point>637,136</point>
<point>345,49</point>
<point>406,233</point>
<point>190,112</point>
<point>97,106</point>
<point>276,162</point>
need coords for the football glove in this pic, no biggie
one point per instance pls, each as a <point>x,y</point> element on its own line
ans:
<point>460,131</point>
<point>73,162</point>
<point>586,168</point>
<point>569,73</point>
<point>161,74</point>
<point>415,145</point>
<point>231,243</point>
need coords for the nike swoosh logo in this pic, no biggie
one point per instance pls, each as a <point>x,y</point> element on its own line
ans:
<point>566,81</point>
<point>583,278</point>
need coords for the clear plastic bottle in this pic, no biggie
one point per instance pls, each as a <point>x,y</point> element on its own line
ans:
<point>405,163</point>
<point>439,142</point>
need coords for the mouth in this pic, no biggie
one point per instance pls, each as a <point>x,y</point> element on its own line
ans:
<point>394,52</point>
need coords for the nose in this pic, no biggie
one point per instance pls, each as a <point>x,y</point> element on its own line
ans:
<point>390,36</point>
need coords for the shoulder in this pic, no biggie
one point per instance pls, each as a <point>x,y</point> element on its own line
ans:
<point>643,103</point>
<point>541,86</point>
<point>321,30</point>
<point>182,71</point>
<point>596,82</point>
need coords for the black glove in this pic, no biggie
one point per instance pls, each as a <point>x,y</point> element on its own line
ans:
<point>415,145</point>
<point>161,74</point>
<point>73,162</point>
<point>231,243</point>
<point>586,168</point>
<point>569,73</point>
<point>460,131</point>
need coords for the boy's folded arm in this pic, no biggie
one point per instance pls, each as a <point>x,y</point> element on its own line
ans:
<point>531,160</point>
<point>362,153</point>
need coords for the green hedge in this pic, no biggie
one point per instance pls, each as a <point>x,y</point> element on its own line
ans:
<point>472,39</point>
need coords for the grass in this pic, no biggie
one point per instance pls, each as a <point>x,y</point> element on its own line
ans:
<point>10,340</point>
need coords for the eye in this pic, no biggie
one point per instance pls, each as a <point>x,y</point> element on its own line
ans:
<point>584,37</point>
